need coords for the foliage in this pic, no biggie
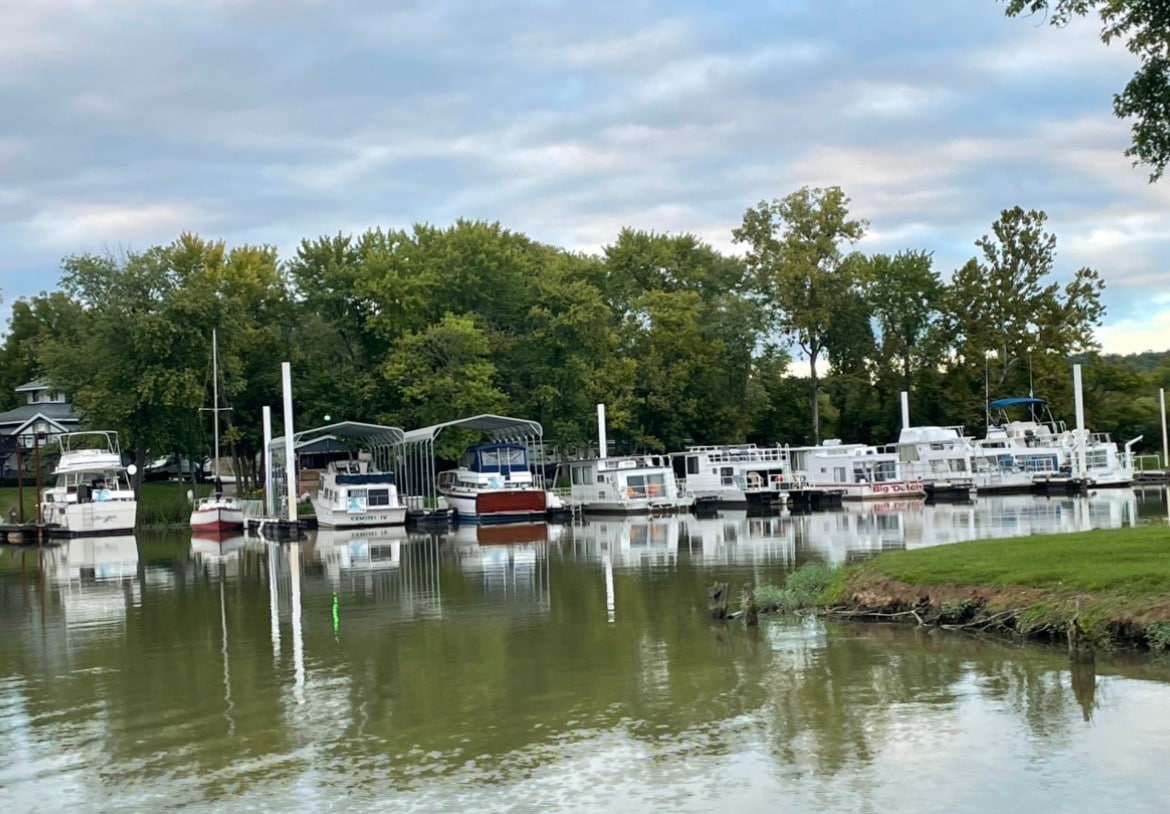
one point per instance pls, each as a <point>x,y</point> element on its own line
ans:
<point>801,588</point>
<point>794,254</point>
<point>1144,27</point>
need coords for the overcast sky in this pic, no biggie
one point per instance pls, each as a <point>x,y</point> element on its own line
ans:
<point>125,123</point>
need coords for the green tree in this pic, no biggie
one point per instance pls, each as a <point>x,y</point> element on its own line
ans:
<point>33,320</point>
<point>903,293</point>
<point>794,252</point>
<point>444,373</point>
<point>1144,27</point>
<point>1007,323</point>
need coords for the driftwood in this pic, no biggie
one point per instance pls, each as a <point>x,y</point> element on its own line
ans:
<point>718,597</point>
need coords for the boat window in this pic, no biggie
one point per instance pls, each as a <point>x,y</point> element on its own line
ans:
<point>692,464</point>
<point>379,497</point>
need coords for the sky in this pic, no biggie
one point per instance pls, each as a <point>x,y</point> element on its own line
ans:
<point>268,121</point>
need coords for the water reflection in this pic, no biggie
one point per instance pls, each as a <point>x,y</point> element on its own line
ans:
<point>550,667</point>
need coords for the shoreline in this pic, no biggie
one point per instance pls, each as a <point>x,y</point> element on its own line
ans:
<point>1096,590</point>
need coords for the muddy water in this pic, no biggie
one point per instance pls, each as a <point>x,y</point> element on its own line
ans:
<point>546,668</point>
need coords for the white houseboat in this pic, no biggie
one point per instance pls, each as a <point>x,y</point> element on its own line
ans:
<point>863,472</point>
<point>748,476</point>
<point>628,484</point>
<point>942,458</point>
<point>353,493</point>
<point>92,494</point>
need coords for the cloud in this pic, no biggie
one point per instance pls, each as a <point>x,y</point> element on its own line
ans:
<point>78,226</point>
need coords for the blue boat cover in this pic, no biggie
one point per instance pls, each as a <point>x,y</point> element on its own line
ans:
<point>999,404</point>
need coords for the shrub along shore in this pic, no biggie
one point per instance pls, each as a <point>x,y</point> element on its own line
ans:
<point>1103,589</point>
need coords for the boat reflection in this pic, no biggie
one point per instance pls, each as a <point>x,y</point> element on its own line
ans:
<point>209,547</point>
<point>86,560</point>
<point>510,560</point>
<point>740,538</point>
<point>629,541</point>
<point>359,549</point>
<point>97,578</point>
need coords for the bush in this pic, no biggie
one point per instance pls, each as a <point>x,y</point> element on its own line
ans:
<point>801,588</point>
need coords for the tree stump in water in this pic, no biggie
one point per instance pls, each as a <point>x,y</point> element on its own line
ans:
<point>747,603</point>
<point>717,598</point>
<point>1080,649</point>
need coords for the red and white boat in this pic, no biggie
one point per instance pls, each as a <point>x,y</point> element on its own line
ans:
<point>217,512</point>
<point>494,484</point>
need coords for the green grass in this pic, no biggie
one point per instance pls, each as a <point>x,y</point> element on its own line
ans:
<point>1132,562</point>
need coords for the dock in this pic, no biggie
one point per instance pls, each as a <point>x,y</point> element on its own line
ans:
<point>22,533</point>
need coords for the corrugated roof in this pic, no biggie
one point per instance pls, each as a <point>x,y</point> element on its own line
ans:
<point>497,427</point>
<point>372,435</point>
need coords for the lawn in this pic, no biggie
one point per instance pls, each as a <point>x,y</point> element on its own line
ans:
<point>1133,562</point>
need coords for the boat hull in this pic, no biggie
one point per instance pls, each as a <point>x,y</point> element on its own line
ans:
<point>96,517</point>
<point>217,518</point>
<point>330,517</point>
<point>499,506</point>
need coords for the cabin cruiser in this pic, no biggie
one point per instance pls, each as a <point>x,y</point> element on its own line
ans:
<point>354,493</point>
<point>93,494</point>
<point>746,476</point>
<point>493,484</point>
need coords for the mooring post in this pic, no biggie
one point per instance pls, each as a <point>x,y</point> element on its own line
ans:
<point>747,604</point>
<point>717,599</point>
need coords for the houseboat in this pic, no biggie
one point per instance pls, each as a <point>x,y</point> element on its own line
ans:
<point>747,476</point>
<point>862,472</point>
<point>93,494</point>
<point>942,458</point>
<point>629,484</point>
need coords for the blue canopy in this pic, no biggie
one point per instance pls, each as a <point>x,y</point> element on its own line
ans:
<point>999,404</point>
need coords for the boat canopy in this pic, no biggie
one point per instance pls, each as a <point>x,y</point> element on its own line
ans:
<point>502,458</point>
<point>999,404</point>
<point>419,468</point>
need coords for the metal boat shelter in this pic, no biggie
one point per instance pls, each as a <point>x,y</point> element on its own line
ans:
<point>417,466</point>
<point>382,442</point>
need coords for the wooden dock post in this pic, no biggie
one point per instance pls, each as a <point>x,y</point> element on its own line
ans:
<point>717,598</point>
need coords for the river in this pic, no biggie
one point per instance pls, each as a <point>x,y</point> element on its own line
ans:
<point>550,668</point>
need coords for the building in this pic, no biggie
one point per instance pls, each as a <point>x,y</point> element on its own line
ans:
<point>45,411</point>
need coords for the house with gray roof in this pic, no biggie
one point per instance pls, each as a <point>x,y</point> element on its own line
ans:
<point>45,411</point>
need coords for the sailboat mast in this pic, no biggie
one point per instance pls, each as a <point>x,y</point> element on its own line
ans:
<point>215,405</point>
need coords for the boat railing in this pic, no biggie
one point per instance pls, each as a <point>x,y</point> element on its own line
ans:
<point>251,508</point>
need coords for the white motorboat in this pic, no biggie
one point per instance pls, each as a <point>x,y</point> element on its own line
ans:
<point>493,484</point>
<point>92,494</point>
<point>354,493</point>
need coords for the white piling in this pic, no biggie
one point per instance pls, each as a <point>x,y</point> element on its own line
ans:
<point>601,439</point>
<point>269,498</point>
<point>290,458</point>
<point>1079,401</point>
<point>905,409</point>
<point>1165,445</point>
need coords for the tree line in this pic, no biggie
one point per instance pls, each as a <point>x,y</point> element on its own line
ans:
<point>683,343</point>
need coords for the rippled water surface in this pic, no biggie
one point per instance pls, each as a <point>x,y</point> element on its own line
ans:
<point>548,668</point>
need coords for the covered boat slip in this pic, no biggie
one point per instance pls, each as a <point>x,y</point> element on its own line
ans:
<point>315,448</point>
<point>418,464</point>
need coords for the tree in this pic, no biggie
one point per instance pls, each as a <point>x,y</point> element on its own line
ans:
<point>1002,305</point>
<point>1144,27</point>
<point>794,254</point>
<point>903,293</point>
<point>33,321</point>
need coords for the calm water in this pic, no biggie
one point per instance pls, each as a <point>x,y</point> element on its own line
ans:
<point>548,668</point>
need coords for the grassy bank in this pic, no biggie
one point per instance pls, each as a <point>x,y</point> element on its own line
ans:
<point>1110,588</point>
